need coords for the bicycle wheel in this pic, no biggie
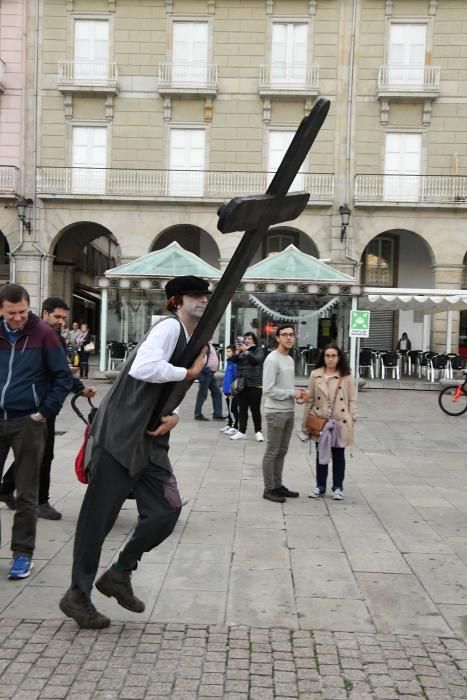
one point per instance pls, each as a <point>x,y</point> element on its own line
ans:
<point>453,402</point>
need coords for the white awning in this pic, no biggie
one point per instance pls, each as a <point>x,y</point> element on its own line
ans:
<point>428,301</point>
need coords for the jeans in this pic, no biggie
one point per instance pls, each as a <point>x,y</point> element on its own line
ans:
<point>280,426</point>
<point>158,502</point>
<point>8,482</point>
<point>27,439</point>
<point>250,398</point>
<point>207,381</point>
<point>338,469</point>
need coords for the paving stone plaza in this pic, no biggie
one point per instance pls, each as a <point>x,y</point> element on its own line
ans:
<point>364,598</point>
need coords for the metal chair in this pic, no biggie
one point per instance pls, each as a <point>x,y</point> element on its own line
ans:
<point>117,353</point>
<point>423,363</point>
<point>366,361</point>
<point>413,359</point>
<point>310,356</point>
<point>438,365</point>
<point>390,363</point>
<point>456,363</point>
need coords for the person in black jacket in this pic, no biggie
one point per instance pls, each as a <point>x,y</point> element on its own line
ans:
<point>54,313</point>
<point>250,360</point>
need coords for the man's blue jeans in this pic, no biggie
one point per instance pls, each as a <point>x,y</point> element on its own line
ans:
<point>207,381</point>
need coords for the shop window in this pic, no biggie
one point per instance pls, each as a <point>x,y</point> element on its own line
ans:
<point>379,263</point>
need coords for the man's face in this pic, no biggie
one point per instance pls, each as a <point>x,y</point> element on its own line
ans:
<point>286,338</point>
<point>249,340</point>
<point>56,318</point>
<point>229,353</point>
<point>15,315</point>
<point>75,326</point>
<point>194,305</point>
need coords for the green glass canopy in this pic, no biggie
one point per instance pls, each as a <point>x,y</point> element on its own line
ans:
<point>292,264</point>
<point>171,261</point>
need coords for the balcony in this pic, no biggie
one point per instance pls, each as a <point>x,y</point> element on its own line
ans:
<point>2,75</point>
<point>206,185</point>
<point>408,83</point>
<point>288,80</point>
<point>187,78</point>
<point>87,77</point>
<point>408,190</point>
<point>9,180</point>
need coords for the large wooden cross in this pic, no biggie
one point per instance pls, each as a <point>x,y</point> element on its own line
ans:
<point>254,215</point>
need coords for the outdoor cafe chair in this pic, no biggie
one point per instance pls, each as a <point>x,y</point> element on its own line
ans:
<point>438,366</point>
<point>117,353</point>
<point>366,362</point>
<point>413,360</point>
<point>390,363</point>
<point>423,366</point>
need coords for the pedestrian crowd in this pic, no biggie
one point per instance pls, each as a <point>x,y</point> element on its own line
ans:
<point>127,449</point>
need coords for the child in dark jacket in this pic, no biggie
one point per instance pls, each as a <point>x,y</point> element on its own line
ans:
<point>230,398</point>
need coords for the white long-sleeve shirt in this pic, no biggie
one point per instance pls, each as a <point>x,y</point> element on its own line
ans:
<point>151,363</point>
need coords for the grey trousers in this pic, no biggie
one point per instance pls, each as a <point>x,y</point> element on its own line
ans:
<point>279,429</point>
<point>27,439</point>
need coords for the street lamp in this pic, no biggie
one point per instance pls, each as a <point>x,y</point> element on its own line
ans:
<point>345,213</point>
<point>22,205</point>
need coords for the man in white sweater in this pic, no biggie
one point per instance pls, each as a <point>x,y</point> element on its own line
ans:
<point>279,401</point>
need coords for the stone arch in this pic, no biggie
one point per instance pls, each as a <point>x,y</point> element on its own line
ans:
<point>398,258</point>
<point>279,238</point>
<point>82,251</point>
<point>192,238</point>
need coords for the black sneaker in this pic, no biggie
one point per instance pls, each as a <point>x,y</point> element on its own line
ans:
<point>271,495</point>
<point>116,583</point>
<point>219,417</point>
<point>9,499</point>
<point>201,418</point>
<point>79,607</point>
<point>284,491</point>
<point>48,512</point>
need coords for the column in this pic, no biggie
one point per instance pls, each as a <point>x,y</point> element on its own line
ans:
<point>445,277</point>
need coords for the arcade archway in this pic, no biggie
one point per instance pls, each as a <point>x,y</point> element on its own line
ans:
<point>191,238</point>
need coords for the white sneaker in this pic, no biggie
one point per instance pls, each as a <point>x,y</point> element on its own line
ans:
<point>238,436</point>
<point>259,436</point>
<point>316,493</point>
<point>224,429</point>
<point>231,431</point>
<point>338,495</point>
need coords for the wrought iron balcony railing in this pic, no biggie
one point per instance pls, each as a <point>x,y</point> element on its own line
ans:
<point>409,78</point>
<point>289,77</point>
<point>99,74</point>
<point>421,189</point>
<point>9,179</point>
<point>208,184</point>
<point>187,75</point>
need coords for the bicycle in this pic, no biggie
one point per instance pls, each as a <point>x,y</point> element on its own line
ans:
<point>453,399</point>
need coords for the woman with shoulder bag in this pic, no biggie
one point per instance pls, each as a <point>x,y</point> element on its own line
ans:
<point>83,340</point>
<point>333,399</point>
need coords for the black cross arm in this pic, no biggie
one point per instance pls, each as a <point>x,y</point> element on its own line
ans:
<point>243,213</point>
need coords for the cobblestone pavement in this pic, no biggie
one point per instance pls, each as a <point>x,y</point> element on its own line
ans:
<point>364,598</point>
<point>184,662</point>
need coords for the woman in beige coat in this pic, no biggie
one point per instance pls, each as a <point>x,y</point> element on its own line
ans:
<point>332,366</point>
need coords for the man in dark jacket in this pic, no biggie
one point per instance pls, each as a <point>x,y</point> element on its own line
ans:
<point>124,455</point>
<point>54,313</point>
<point>34,382</point>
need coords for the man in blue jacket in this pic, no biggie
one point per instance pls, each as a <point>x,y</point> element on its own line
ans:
<point>34,382</point>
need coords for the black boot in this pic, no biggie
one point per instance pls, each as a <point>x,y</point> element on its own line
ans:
<point>78,606</point>
<point>117,583</point>
<point>271,495</point>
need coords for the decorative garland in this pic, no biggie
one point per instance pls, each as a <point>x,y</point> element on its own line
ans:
<point>291,319</point>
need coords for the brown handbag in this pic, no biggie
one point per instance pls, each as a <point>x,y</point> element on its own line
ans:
<point>315,424</point>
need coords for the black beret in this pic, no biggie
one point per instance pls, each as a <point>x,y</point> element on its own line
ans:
<point>186,284</point>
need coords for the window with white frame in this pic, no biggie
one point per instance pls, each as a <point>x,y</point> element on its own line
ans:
<point>89,159</point>
<point>289,52</point>
<point>406,54</point>
<point>190,52</point>
<point>91,50</point>
<point>278,143</point>
<point>379,262</point>
<point>187,162</point>
<point>402,167</point>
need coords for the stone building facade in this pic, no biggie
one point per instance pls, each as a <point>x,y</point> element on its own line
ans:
<point>145,116</point>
